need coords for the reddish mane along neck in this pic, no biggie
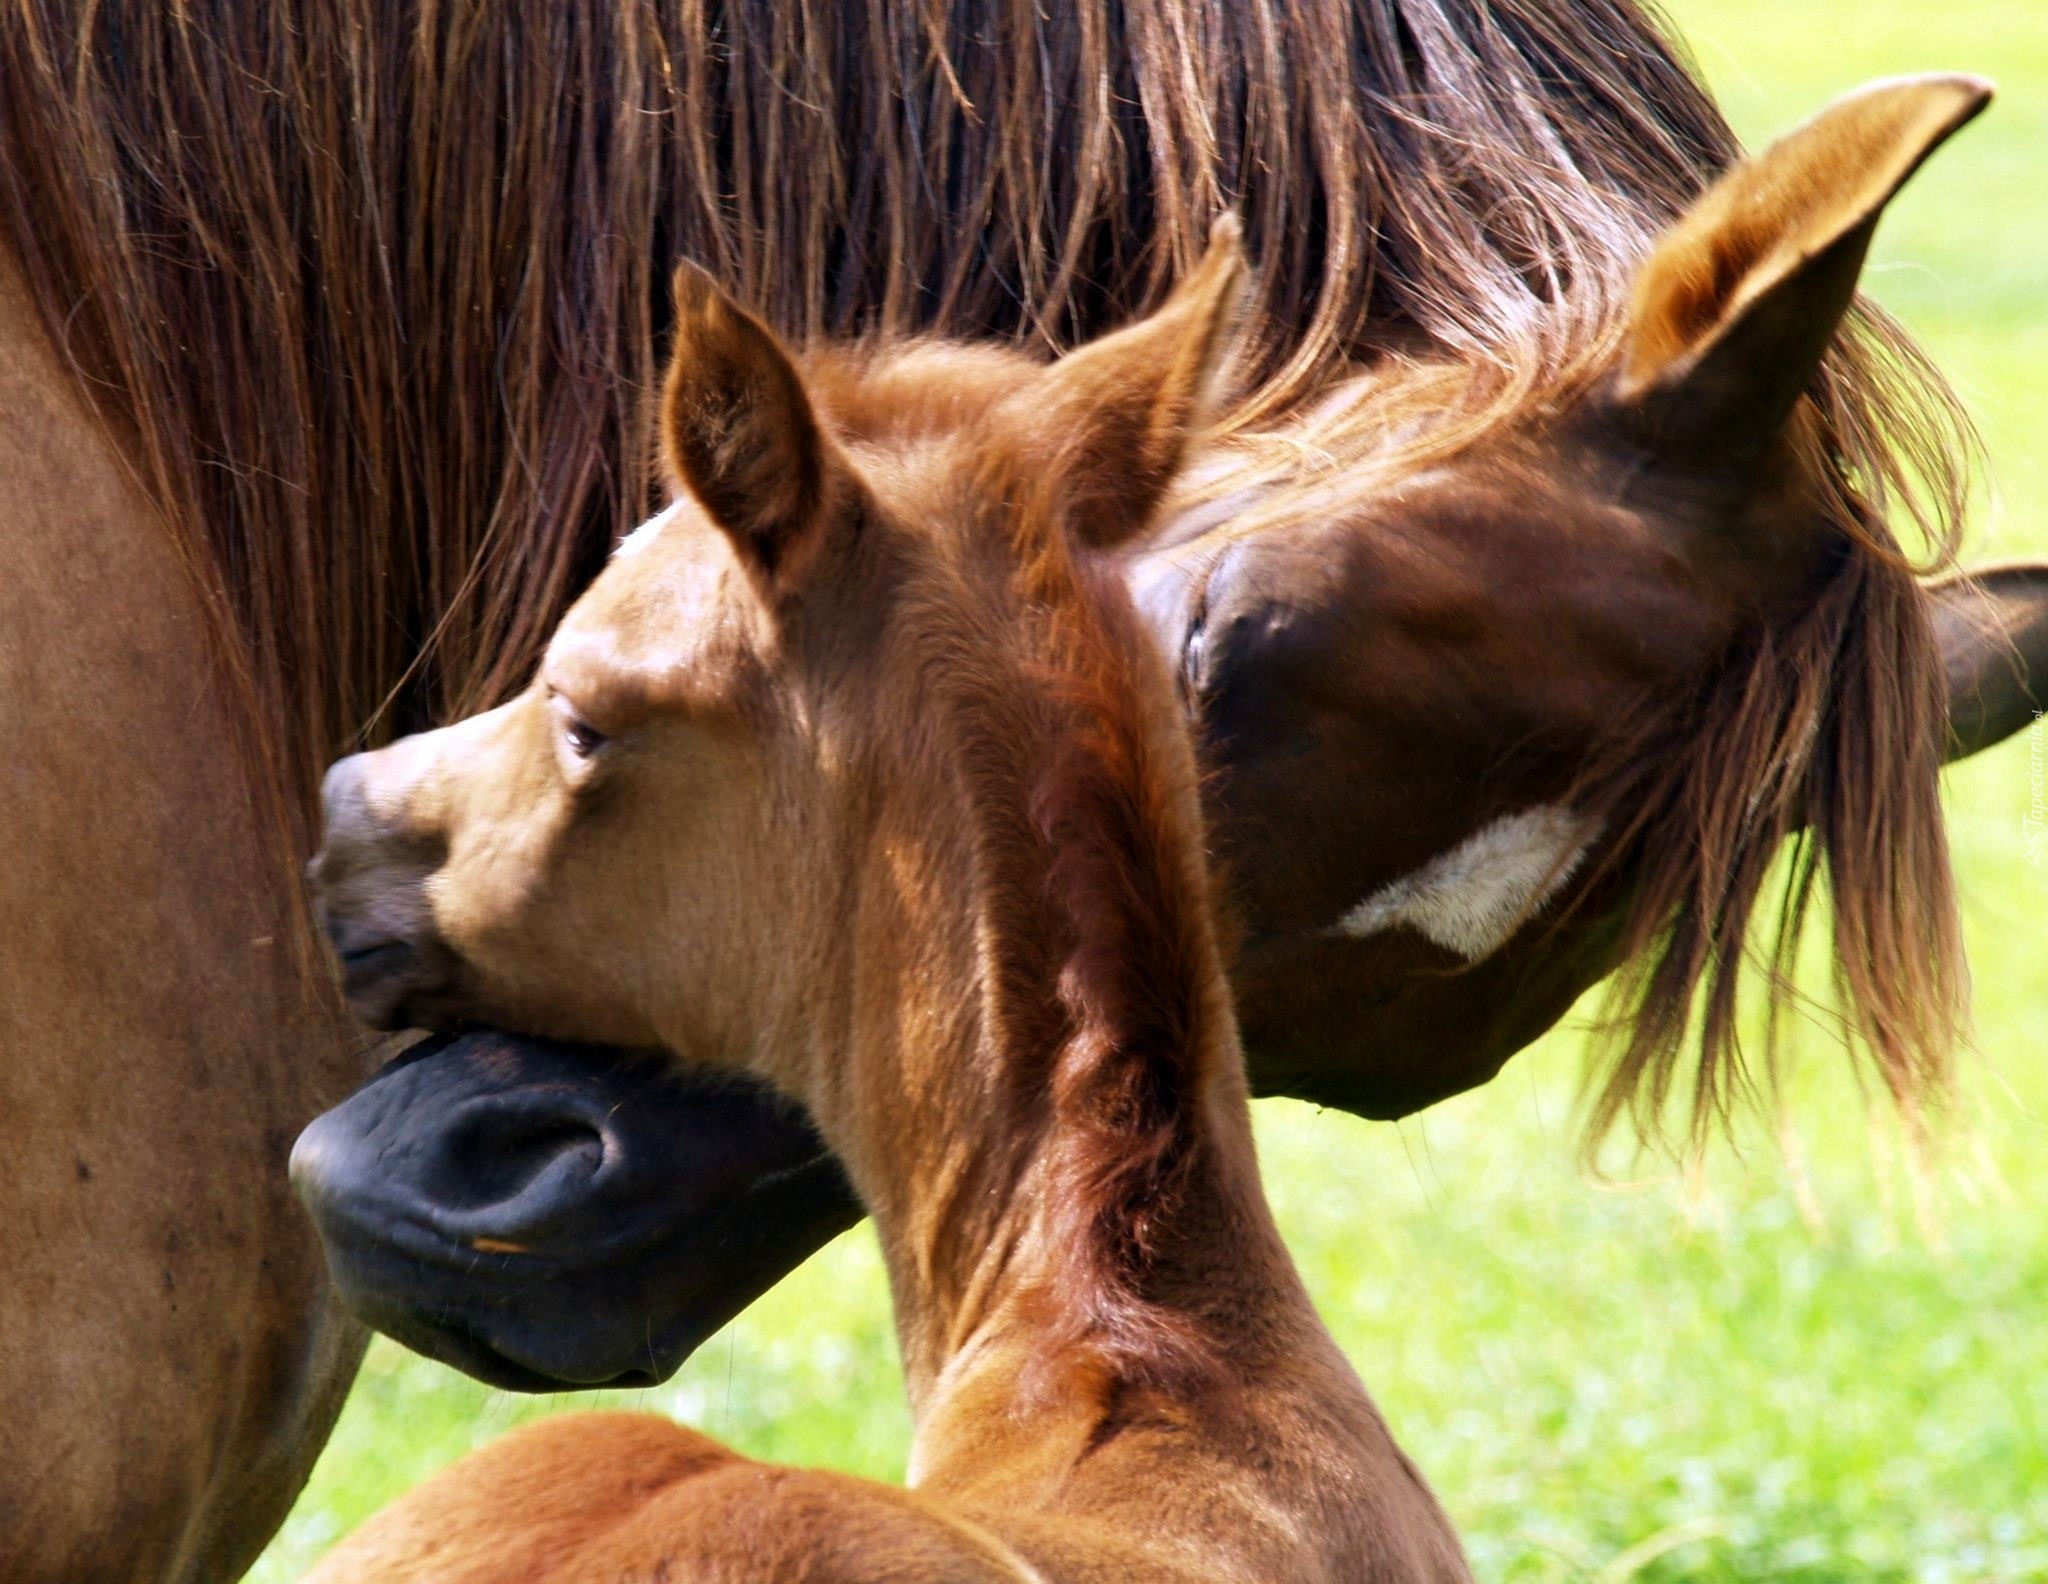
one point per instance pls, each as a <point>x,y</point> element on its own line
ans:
<point>1091,1110</point>
<point>1142,987</point>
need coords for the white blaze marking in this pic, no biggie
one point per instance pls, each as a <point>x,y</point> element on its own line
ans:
<point>1471,899</point>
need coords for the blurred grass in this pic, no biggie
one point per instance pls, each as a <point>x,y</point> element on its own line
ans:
<point>1673,1380</point>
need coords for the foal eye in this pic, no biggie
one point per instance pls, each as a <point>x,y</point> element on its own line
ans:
<point>583,739</point>
<point>580,737</point>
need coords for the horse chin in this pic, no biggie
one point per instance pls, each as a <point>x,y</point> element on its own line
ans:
<point>525,1346</point>
<point>550,1217</point>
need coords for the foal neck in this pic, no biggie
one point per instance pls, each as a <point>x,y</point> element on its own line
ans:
<point>1047,1113</point>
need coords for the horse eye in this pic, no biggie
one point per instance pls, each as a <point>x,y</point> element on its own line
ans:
<point>581,738</point>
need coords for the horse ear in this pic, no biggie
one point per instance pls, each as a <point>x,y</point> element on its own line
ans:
<point>1992,625</point>
<point>738,430</point>
<point>1736,307</point>
<point>1119,413</point>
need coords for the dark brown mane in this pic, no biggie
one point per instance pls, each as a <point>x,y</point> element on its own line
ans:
<point>373,293</point>
<point>377,295</point>
<point>1808,762</point>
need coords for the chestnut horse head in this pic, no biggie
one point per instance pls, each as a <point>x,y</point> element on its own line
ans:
<point>1504,689</point>
<point>854,769</point>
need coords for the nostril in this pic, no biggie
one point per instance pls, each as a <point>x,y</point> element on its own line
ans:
<point>388,981</point>
<point>498,1155</point>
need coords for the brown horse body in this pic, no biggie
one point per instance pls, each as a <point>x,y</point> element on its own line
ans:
<point>170,1356</point>
<point>278,342</point>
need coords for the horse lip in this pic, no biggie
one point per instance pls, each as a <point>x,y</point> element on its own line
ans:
<point>421,1245</point>
<point>458,1346</point>
<point>476,1326</point>
<point>415,1244</point>
<point>473,1337</point>
<point>461,1349</point>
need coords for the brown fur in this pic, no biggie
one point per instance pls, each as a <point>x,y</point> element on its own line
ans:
<point>1124,866</point>
<point>1787,702</point>
<point>169,1354</point>
<point>1137,1009</point>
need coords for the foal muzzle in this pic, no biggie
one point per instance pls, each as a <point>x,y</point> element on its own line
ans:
<point>368,883</point>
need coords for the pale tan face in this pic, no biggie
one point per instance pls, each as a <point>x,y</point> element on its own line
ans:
<point>610,856</point>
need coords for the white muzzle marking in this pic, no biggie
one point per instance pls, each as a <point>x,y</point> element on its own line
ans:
<point>1471,899</point>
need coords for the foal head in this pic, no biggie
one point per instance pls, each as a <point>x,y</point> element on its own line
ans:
<point>853,764</point>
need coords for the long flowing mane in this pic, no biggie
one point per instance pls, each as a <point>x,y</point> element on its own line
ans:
<point>372,291</point>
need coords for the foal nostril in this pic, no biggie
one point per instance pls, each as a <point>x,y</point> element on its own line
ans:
<point>389,981</point>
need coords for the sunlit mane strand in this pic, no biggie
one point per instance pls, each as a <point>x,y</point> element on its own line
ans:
<point>1136,987</point>
<point>1810,765</point>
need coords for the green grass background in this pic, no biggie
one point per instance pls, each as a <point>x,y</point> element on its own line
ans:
<point>1815,1371</point>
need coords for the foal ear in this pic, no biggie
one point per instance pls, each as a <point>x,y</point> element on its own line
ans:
<point>738,431</point>
<point>1992,625</point>
<point>1118,414</point>
<point>1736,307</point>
